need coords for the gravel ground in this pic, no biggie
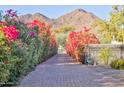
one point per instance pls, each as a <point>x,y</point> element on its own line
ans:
<point>62,71</point>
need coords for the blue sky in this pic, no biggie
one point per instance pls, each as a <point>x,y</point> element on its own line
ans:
<point>54,11</point>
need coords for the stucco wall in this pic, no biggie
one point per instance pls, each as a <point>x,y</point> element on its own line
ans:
<point>94,50</point>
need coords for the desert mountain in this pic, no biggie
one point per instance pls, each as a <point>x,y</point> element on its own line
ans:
<point>77,18</point>
<point>30,17</point>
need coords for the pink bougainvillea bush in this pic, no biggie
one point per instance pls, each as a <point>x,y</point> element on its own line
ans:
<point>77,40</point>
<point>22,46</point>
<point>45,34</point>
<point>8,36</point>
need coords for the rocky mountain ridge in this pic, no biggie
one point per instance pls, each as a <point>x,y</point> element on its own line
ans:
<point>77,18</point>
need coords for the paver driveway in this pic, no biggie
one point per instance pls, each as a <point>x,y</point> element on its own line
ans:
<point>62,71</point>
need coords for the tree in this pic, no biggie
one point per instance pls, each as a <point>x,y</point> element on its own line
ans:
<point>62,33</point>
<point>105,55</point>
<point>64,29</point>
<point>112,27</point>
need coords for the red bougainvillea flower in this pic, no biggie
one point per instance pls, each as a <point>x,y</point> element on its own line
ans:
<point>79,39</point>
<point>11,33</point>
<point>53,40</point>
<point>44,28</point>
<point>35,23</point>
<point>44,31</point>
<point>38,23</point>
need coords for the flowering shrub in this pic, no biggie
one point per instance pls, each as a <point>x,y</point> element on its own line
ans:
<point>44,32</point>
<point>22,46</point>
<point>77,40</point>
<point>4,38</point>
<point>11,13</point>
<point>7,34</point>
<point>53,40</point>
<point>47,38</point>
<point>44,28</point>
<point>11,33</point>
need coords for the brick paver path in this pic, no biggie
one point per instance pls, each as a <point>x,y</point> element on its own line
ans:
<point>62,71</point>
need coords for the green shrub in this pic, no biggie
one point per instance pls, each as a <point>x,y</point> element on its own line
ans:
<point>105,54</point>
<point>118,64</point>
<point>14,71</point>
<point>4,74</point>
